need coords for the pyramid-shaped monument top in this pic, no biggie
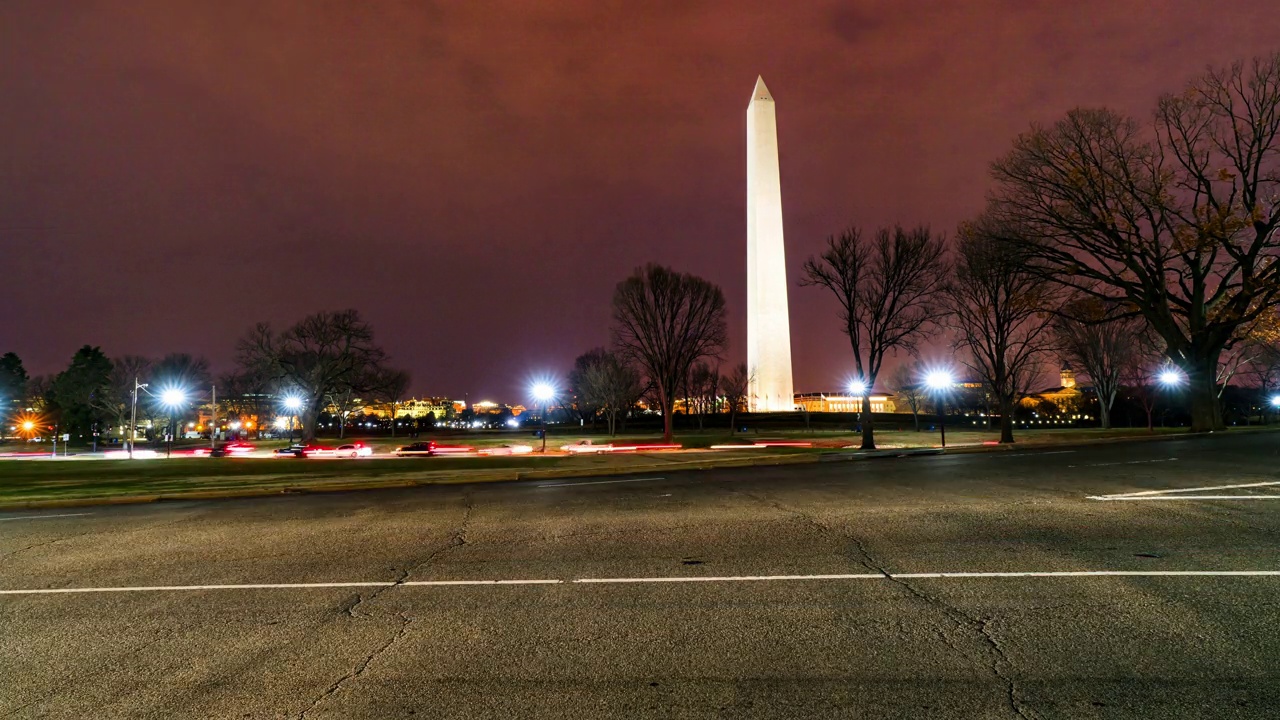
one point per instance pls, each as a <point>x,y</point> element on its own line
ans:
<point>761,93</point>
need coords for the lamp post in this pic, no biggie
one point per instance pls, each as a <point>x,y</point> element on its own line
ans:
<point>133,416</point>
<point>1169,378</point>
<point>857,389</point>
<point>940,381</point>
<point>293,403</point>
<point>172,399</point>
<point>543,393</point>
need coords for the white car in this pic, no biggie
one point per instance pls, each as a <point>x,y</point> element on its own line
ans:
<point>353,450</point>
<point>586,447</point>
<point>508,450</point>
<point>137,454</point>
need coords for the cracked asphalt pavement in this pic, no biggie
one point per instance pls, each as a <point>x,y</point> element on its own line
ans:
<point>720,600</point>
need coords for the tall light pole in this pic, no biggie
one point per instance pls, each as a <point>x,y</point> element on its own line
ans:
<point>213,416</point>
<point>133,416</point>
<point>857,389</point>
<point>293,403</point>
<point>940,381</point>
<point>543,393</point>
<point>172,398</point>
<point>1170,378</point>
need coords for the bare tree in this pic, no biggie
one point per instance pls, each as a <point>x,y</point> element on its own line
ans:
<point>1141,371</point>
<point>322,355</point>
<point>1179,221</point>
<point>1098,338</point>
<point>999,308</point>
<point>905,381</point>
<point>889,289</point>
<point>117,402</point>
<point>666,321</point>
<point>609,383</point>
<point>702,390</point>
<point>586,397</point>
<point>389,387</point>
<point>735,386</point>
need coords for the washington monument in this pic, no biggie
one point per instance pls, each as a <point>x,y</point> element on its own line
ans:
<point>768,326</point>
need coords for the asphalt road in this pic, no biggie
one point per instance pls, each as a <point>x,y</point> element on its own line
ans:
<point>719,599</point>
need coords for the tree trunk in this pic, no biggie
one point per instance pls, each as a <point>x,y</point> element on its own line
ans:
<point>868,435</point>
<point>668,409</point>
<point>1006,421</point>
<point>915,415</point>
<point>308,431</point>
<point>1206,410</point>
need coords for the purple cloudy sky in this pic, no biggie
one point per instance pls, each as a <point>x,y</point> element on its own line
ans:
<point>476,176</point>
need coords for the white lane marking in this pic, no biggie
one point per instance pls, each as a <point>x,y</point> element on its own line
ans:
<point>1033,454</point>
<point>443,583</point>
<point>601,482</point>
<point>1176,493</point>
<point>691,579</point>
<point>1129,462</point>
<point>1193,489</point>
<point>733,578</point>
<point>942,575</point>
<point>42,517</point>
<point>276,586</point>
<point>1189,497</point>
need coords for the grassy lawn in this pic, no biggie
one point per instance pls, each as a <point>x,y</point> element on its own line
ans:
<point>35,480</point>
<point>39,480</point>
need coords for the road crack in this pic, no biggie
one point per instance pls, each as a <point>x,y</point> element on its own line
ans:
<point>998,662</point>
<point>360,667</point>
<point>457,538</point>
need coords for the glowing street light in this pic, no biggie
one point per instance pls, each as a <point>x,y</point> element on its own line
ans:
<point>1275,401</point>
<point>857,388</point>
<point>172,398</point>
<point>1170,377</point>
<point>940,381</point>
<point>293,404</point>
<point>28,426</point>
<point>544,393</point>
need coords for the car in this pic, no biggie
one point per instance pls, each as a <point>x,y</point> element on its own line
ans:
<point>124,454</point>
<point>423,449</point>
<point>428,449</point>
<point>508,450</point>
<point>353,450</point>
<point>293,451</point>
<point>232,449</point>
<point>586,447</point>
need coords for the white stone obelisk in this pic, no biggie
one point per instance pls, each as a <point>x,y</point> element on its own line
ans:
<point>768,325</point>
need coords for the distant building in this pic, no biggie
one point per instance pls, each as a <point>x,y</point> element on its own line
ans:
<point>1066,396</point>
<point>437,407</point>
<point>843,402</point>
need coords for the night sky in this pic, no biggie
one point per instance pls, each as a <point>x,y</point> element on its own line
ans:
<point>475,177</point>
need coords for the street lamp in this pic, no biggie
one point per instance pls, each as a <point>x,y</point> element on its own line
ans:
<point>543,393</point>
<point>1170,377</point>
<point>293,403</point>
<point>171,398</point>
<point>939,381</point>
